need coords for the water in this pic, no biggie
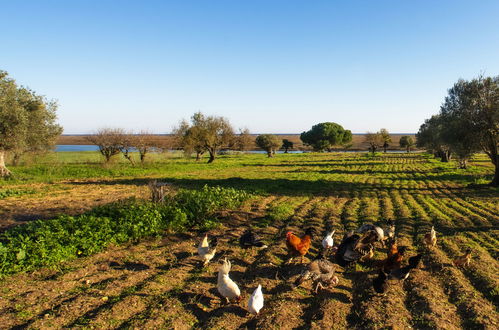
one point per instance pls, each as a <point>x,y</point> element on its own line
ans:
<point>89,147</point>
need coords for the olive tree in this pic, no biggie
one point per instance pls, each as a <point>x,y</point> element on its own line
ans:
<point>385,136</point>
<point>27,121</point>
<point>144,142</point>
<point>244,141</point>
<point>407,142</point>
<point>286,145</point>
<point>268,142</point>
<point>205,134</point>
<point>430,137</point>
<point>375,140</point>
<point>324,136</point>
<point>110,141</point>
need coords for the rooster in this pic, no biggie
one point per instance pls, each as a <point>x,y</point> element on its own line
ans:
<point>369,227</point>
<point>463,260</point>
<point>298,246</point>
<point>403,272</point>
<point>205,251</point>
<point>393,248</point>
<point>320,271</point>
<point>255,302</point>
<point>225,285</point>
<point>430,239</point>
<point>393,262</point>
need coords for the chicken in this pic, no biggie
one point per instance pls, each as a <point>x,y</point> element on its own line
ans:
<point>225,285</point>
<point>298,246</point>
<point>354,247</point>
<point>392,249</point>
<point>255,302</point>
<point>403,272</point>
<point>205,251</point>
<point>328,242</point>
<point>380,283</point>
<point>320,271</point>
<point>463,260</point>
<point>430,239</point>
<point>250,239</point>
<point>369,254</point>
<point>393,262</point>
<point>390,232</point>
<point>370,227</point>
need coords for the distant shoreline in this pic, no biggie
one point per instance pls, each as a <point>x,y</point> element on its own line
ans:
<point>358,143</point>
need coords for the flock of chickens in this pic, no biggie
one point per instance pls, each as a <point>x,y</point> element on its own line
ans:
<point>355,246</point>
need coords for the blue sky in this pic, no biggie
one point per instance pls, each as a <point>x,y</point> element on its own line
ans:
<point>271,66</point>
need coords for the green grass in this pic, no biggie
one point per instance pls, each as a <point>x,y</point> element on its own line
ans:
<point>289,174</point>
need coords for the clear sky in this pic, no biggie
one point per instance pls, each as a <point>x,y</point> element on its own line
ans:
<point>271,66</point>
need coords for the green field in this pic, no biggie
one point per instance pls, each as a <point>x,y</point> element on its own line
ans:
<point>158,282</point>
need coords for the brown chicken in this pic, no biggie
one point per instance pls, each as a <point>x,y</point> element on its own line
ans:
<point>393,262</point>
<point>298,246</point>
<point>463,260</point>
<point>392,249</point>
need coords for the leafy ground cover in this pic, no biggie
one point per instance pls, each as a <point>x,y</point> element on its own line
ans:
<point>158,282</point>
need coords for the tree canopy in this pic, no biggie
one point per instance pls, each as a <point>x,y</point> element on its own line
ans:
<point>468,122</point>
<point>205,133</point>
<point>324,136</point>
<point>27,121</point>
<point>268,142</point>
<point>407,142</point>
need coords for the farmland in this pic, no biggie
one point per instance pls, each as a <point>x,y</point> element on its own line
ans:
<point>158,282</point>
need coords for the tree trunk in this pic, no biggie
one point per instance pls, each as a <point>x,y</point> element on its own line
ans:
<point>16,158</point>
<point>463,164</point>
<point>269,153</point>
<point>495,180</point>
<point>198,156</point>
<point>285,150</point>
<point>4,171</point>
<point>212,157</point>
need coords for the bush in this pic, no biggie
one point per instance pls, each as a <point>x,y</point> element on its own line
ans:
<point>280,212</point>
<point>48,242</point>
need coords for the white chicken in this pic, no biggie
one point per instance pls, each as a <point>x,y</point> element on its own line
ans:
<point>328,241</point>
<point>205,251</point>
<point>225,285</point>
<point>255,302</point>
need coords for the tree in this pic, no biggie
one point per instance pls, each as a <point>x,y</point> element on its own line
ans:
<point>205,133</point>
<point>268,142</point>
<point>430,137</point>
<point>244,141</point>
<point>375,140</point>
<point>27,121</point>
<point>144,142</point>
<point>385,136</point>
<point>406,142</point>
<point>109,140</point>
<point>324,136</point>
<point>472,109</point>
<point>286,145</point>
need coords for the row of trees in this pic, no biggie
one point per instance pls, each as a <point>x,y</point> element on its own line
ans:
<point>113,141</point>
<point>27,122</point>
<point>468,123</point>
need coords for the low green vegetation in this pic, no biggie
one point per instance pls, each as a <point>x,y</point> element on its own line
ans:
<point>48,242</point>
<point>4,193</point>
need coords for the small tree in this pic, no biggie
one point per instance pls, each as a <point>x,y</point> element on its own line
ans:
<point>109,141</point>
<point>385,136</point>
<point>375,140</point>
<point>407,142</point>
<point>27,121</point>
<point>205,133</point>
<point>268,142</point>
<point>286,145</point>
<point>144,142</point>
<point>324,136</point>
<point>244,141</point>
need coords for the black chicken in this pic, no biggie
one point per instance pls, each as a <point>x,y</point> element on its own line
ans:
<point>250,239</point>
